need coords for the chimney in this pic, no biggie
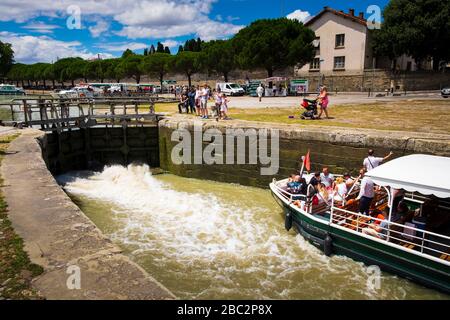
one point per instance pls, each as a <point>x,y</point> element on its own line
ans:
<point>351,12</point>
<point>361,15</point>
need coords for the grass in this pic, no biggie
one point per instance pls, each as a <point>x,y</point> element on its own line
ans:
<point>16,269</point>
<point>416,115</point>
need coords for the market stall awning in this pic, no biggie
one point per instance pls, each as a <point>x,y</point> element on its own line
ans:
<point>421,173</point>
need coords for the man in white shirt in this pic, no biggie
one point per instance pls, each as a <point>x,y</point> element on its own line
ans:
<point>366,193</point>
<point>260,91</point>
<point>372,162</point>
<point>204,96</point>
<point>326,178</point>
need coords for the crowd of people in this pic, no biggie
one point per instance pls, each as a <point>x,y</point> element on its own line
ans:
<point>325,188</point>
<point>195,100</point>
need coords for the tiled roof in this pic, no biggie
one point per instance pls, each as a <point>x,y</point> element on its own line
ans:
<point>354,18</point>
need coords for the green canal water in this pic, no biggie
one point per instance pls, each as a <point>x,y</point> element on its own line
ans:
<point>210,240</point>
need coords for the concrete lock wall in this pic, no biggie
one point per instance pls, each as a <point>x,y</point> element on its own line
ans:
<point>94,147</point>
<point>339,149</point>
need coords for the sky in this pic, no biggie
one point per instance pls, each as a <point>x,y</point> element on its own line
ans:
<point>45,30</point>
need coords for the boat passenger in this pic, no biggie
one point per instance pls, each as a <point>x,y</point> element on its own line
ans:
<point>397,196</point>
<point>327,178</point>
<point>323,194</point>
<point>315,180</point>
<point>348,180</point>
<point>371,162</point>
<point>366,193</point>
<point>340,190</point>
<point>378,228</point>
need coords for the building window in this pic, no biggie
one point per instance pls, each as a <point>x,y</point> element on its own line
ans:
<point>316,45</point>
<point>340,40</point>
<point>315,64</point>
<point>339,62</point>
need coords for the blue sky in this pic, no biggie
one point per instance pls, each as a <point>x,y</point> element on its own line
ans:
<point>44,30</point>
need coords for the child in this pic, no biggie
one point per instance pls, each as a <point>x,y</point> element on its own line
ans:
<point>224,107</point>
<point>218,104</point>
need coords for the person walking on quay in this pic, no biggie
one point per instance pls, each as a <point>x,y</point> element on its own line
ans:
<point>224,107</point>
<point>198,93</point>
<point>260,91</point>
<point>204,96</point>
<point>323,101</point>
<point>191,96</point>
<point>371,162</point>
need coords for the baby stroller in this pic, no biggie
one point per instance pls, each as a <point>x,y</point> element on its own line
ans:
<point>311,109</point>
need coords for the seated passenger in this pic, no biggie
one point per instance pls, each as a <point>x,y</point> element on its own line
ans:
<point>378,228</point>
<point>340,190</point>
<point>327,178</point>
<point>323,194</point>
<point>348,180</point>
<point>315,180</point>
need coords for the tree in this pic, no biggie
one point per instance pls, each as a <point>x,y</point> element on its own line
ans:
<point>166,50</point>
<point>189,63</point>
<point>6,58</point>
<point>127,53</point>
<point>180,48</point>
<point>274,44</point>
<point>219,57</point>
<point>69,69</point>
<point>160,47</point>
<point>17,73</point>
<point>113,69</point>
<point>49,74</point>
<point>152,49</point>
<point>131,67</point>
<point>97,69</point>
<point>157,65</point>
<point>145,52</point>
<point>419,28</point>
<point>193,45</point>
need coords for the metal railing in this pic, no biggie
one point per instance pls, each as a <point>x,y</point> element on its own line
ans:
<point>410,236</point>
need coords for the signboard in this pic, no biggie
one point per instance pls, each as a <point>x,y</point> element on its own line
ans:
<point>299,86</point>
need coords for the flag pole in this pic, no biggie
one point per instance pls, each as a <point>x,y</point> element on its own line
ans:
<point>303,166</point>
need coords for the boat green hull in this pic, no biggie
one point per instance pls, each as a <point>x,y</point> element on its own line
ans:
<point>389,258</point>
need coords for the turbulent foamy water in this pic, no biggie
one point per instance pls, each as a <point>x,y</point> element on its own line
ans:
<point>210,240</point>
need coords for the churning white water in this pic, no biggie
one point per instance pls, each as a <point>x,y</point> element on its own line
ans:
<point>211,240</point>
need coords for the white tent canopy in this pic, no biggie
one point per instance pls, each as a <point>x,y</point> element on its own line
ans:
<point>421,173</point>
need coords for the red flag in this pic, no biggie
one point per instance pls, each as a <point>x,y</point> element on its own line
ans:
<point>307,162</point>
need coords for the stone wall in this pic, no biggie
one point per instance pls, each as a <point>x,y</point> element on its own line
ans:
<point>377,80</point>
<point>94,147</point>
<point>337,148</point>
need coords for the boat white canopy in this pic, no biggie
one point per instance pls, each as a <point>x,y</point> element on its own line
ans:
<point>421,173</point>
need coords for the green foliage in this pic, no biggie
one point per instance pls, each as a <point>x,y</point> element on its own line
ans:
<point>6,58</point>
<point>419,28</point>
<point>194,45</point>
<point>157,65</point>
<point>189,63</point>
<point>274,44</point>
<point>219,57</point>
<point>152,50</point>
<point>131,67</point>
<point>127,53</point>
<point>160,47</point>
<point>145,52</point>
<point>166,50</point>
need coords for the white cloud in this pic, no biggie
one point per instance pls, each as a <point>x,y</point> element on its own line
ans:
<point>122,46</point>
<point>41,27</point>
<point>302,16</point>
<point>171,43</point>
<point>31,49</point>
<point>139,18</point>
<point>99,28</point>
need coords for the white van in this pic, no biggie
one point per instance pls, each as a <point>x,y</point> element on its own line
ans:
<point>230,88</point>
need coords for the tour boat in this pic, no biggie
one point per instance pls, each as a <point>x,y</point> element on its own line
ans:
<point>418,250</point>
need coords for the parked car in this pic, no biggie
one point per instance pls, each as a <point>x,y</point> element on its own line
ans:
<point>229,88</point>
<point>445,92</point>
<point>76,92</point>
<point>8,89</point>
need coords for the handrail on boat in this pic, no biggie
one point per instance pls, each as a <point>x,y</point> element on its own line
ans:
<point>421,241</point>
